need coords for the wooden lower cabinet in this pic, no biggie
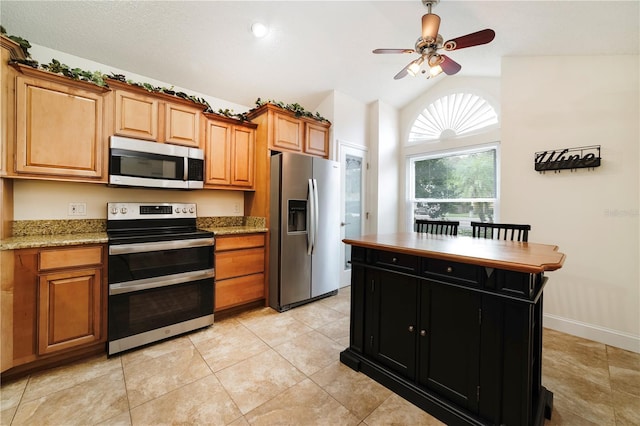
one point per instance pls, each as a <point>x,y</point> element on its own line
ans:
<point>59,304</point>
<point>240,266</point>
<point>69,309</point>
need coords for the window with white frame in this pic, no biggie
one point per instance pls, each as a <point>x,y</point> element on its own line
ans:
<point>457,185</point>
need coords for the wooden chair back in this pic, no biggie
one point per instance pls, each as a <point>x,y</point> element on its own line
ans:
<point>443,227</point>
<point>501,231</point>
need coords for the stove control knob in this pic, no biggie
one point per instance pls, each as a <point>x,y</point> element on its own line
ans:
<point>123,210</point>
<point>114,210</point>
<point>177,210</point>
<point>191,210</point>
<point>184,210</point>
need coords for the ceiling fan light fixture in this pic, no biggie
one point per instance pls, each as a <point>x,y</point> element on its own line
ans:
<point>259,29</point>
<point>434,71</point>
<point>414,67</point>
<point>430,27</point>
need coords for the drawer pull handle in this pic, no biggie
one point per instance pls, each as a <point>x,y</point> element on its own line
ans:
<point>423,333</point>
<point>449,269</point>
<point>411,329</point>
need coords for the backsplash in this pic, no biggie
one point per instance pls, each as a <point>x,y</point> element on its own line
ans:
<point>23,228</point>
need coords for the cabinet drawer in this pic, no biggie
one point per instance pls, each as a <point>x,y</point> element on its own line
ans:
<point>240,290</point>
<point>239,262</point>
<point>239,242</point>
<point>68,258</point>
<point>469,274</point>
<point>395,261</point>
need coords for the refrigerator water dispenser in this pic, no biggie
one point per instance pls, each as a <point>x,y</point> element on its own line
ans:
<point>297,221</point>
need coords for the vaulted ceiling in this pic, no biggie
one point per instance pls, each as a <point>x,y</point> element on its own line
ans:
<point>313,47</point>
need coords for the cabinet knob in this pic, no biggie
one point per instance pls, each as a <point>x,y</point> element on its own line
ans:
<point>449,269</point>
<point>423,333</point>
<point>394,260</point>
<point>411,328</point>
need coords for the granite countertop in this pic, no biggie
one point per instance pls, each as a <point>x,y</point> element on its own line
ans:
<point>54,233</point>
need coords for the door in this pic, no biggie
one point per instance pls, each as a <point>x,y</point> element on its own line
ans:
<point>353,162</point>
<point>325,260</point>
<point>391,327</point>
<point>449,343</point>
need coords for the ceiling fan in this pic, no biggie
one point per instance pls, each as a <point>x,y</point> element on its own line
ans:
<point>430,42</point>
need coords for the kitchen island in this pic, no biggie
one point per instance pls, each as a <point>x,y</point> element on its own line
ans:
<point>453,324</point>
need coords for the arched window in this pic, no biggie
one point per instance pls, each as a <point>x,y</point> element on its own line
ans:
<point>453,183</point>
<point>452,115</point>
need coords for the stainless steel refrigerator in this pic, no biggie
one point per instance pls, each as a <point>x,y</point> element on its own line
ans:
<point>304,262</point>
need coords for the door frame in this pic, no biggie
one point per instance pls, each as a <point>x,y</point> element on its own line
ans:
<point>344,148</point>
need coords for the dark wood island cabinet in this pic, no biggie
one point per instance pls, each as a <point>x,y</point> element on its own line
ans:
<point>453,324</point>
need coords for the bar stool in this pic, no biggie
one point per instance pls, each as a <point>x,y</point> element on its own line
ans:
<point>443,227</point>
<point>501,231</point>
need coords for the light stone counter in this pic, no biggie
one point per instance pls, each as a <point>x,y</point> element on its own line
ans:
<point>53,233</point>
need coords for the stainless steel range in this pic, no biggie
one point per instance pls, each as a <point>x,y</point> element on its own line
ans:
<point>161,273</point>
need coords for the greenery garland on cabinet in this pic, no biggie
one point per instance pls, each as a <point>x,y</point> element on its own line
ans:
<point>100,79</point>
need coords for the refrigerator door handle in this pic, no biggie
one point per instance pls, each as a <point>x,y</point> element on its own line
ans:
<point>310,218</point>
<point>316,214</point>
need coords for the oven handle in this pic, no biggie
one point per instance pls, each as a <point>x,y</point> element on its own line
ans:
<point>160,245</point>
<point>155,282</point>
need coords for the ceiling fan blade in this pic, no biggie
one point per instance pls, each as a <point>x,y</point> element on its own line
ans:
<point>404,72</point>
<point>430,27</point>
<point>469,40</point>
<point>394,51</point>
<point>449,66</point>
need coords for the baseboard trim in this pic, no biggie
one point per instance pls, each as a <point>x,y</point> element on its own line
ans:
<point>604,335</point>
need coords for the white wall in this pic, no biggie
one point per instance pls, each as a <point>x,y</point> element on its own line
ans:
<point>593,216</point>
<point>38,200</point>
<point>384,194</point>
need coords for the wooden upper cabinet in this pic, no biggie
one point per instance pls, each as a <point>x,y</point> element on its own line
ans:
<point>229,154</point>
<point>288,133</point>
<point>59,127</point>
<point>156,117</point>
<point>182,125</point>
<point>316,140</point>
<point>136,115</point>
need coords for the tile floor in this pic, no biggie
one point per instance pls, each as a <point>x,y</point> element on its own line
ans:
<point>265,368</point>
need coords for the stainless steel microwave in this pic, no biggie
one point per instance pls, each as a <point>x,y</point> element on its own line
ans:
<point>134,162</point>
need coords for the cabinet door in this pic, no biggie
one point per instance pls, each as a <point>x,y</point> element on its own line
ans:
<point>288,133</point>
<point>218,153</point>
<point>393,321</point>
<point>242,156</point>
<point>449,345</point>
<point>182,125</point>
<point>316,139</point>
<point>59,130</point>
<point>69,309</point>
<point>239,290</point>
<point>136,115</point>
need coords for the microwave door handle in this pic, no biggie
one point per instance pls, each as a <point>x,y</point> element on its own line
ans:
<point>185,171</point>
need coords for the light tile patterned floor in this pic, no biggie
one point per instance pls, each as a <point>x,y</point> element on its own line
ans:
<point>265,368</point>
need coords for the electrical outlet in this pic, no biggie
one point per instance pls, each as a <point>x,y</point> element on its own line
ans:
<point>77,209</point>
<point>236,208</point>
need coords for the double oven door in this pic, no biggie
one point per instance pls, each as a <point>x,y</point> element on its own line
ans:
<point>158,290</point>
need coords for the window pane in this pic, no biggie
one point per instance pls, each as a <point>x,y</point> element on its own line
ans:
<point>463,211</point>
<point>471,175</point>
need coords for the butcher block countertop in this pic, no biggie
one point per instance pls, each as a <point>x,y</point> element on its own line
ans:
<point>507,255</point>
